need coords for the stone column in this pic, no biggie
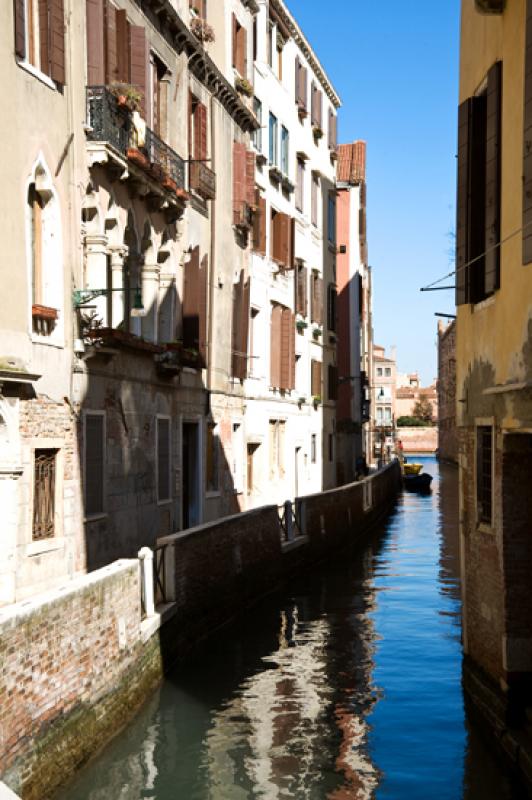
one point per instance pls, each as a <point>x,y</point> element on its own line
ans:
<point>146,580</point>
<point>150,300</point>
<point>166,307</point>
<point>96,272</point>
<point>117,282</point>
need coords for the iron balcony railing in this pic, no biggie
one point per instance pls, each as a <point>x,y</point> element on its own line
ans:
<point>112,123</point>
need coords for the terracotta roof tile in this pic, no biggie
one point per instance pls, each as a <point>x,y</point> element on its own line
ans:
<point>351,166</point>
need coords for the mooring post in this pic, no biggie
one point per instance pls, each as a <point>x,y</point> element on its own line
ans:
<point>146,578</point>
<point>289,522</point>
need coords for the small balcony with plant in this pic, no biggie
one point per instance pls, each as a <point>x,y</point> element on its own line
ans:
<point>119,139</point>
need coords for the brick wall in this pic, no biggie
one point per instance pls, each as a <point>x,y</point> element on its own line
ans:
<point>418,440</point>
<point>67,658</point>
<point>447,433</point>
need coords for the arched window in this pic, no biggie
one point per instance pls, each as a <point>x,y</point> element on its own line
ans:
<point>45,257</point>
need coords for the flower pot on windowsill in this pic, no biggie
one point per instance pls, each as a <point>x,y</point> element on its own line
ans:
<point>169,184</point>
<point>316,400</point>
<point>317,132</point>
<point>157,172</point>
<point>127,96</point>
<point>44,312</point>
<point>202,30</point>
<point>137,157</point>
<point>334,155</point>
<point>182,195</point>
<point>243,86</point>
<point>301,325</point>
<point>301,401</point>
<point>276,174</point>
<point>316,333</point>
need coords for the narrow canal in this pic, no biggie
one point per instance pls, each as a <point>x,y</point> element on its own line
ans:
<point>345,688</point>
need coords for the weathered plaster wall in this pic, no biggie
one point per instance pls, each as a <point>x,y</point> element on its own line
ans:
<point>418,440</point>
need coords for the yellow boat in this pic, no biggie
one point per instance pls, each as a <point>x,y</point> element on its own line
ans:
<point>412,469</point>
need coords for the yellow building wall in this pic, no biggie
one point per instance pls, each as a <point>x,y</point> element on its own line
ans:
<point>496,331</point>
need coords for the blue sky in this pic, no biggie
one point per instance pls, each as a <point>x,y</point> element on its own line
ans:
<point>395,66</point>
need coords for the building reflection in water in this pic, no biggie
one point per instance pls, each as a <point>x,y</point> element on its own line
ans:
<point>280,733</point>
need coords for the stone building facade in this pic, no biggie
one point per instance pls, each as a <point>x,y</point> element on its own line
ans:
<point>355,325</point>
<point>493,353</point>
<point>131,404</point>
<point>447,433</point>
<point>291,385</point>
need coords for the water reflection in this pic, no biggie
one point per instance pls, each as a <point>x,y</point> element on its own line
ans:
<point>347,688</point>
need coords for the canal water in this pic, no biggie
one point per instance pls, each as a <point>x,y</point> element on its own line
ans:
<point>345,687</point>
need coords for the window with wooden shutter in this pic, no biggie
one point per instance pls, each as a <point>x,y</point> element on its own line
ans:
<point>19,12</point>
<point>315,378</point>
<point>492,226</point>
<point>250,178</point>
<point>527,142</point>
<point>259,224</point>
<point>240,329</point>
<point>197,129</point>
<point>163,460</point>
<point>200,6</point>
<point>332,382</point>
<point>94,463</point>
<point>300,184</point>
<point>275,346</point>
<point>138,58</point>
<point>287,354</point>
<point>96,33</point>
<point>297,83</point>
<point>331,307</point>
<point>239,47</point>
<point>316,298</point>
<point>301,289</point>
<point>111,43</point>
<point>40,36</point>
<point>314,199</point>
<point>239,182</point>
<point>332,132</point>
<point>462,203</point>
<point>316,106</point>
<point>123,47</point>
<point>191,289</point>
<point>44,487</point>
<point>203,283</point>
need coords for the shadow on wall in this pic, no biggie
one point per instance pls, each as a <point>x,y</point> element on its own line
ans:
<point>146,441</point>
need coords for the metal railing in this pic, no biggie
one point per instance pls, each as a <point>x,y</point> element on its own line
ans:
<point>290,521</point>
<point>202,180</point>
<point>112,123</point>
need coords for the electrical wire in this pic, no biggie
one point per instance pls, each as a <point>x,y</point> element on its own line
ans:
<point>474,260</point>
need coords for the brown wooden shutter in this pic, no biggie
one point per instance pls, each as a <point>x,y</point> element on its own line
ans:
<point>315,378</point>
<point>123,47</point>
<point>44,37</point>
<point>111,50</point>
<point>95,43</point>
<point>259,224</point>
<point>237,312</point>
<point>319,111</point>
<point>57,41</point>
<point>202,309</point>
<point>250,178</point>
<point>287,333</point>
<point>292,252</point>
<point>527,144</point>
<point>301,290</point>
<point>462,203</point>
<point>243,69</point>
<point>200,132</point>
<point>297,81</point>
<point>20,27</point>
<point>191,301</point>
<point>292,351</point>
<point>275,347</point>
<point>239,180</point>
<point>139,62</point>
<point>276,234</point>
<point>319,301</point>
<point>493,179</point>
<point>303,75</point>
<point>235,41</point>
<point>283,228</point>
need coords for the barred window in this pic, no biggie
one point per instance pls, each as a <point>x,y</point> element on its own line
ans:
<point>484,473</point>
<point>44,494</point>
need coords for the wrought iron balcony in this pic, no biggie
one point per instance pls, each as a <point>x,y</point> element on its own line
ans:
<point>111,123</point>
<point>202,180</point>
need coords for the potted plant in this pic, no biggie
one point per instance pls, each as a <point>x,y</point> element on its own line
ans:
<point>127,95</point>
<point>138,158</point>
<point>301,325</point>
<point>243,86</point>
<point>316,332</point>
<point>202,30</point>
<point>301,401</point>
<point>317,132</point>
<point>316,400</point>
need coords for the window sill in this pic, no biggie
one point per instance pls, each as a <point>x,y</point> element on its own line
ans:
<point>489,301</point>
<point>42,546</point>
<point>483,527</point>
<point>31,70</point>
